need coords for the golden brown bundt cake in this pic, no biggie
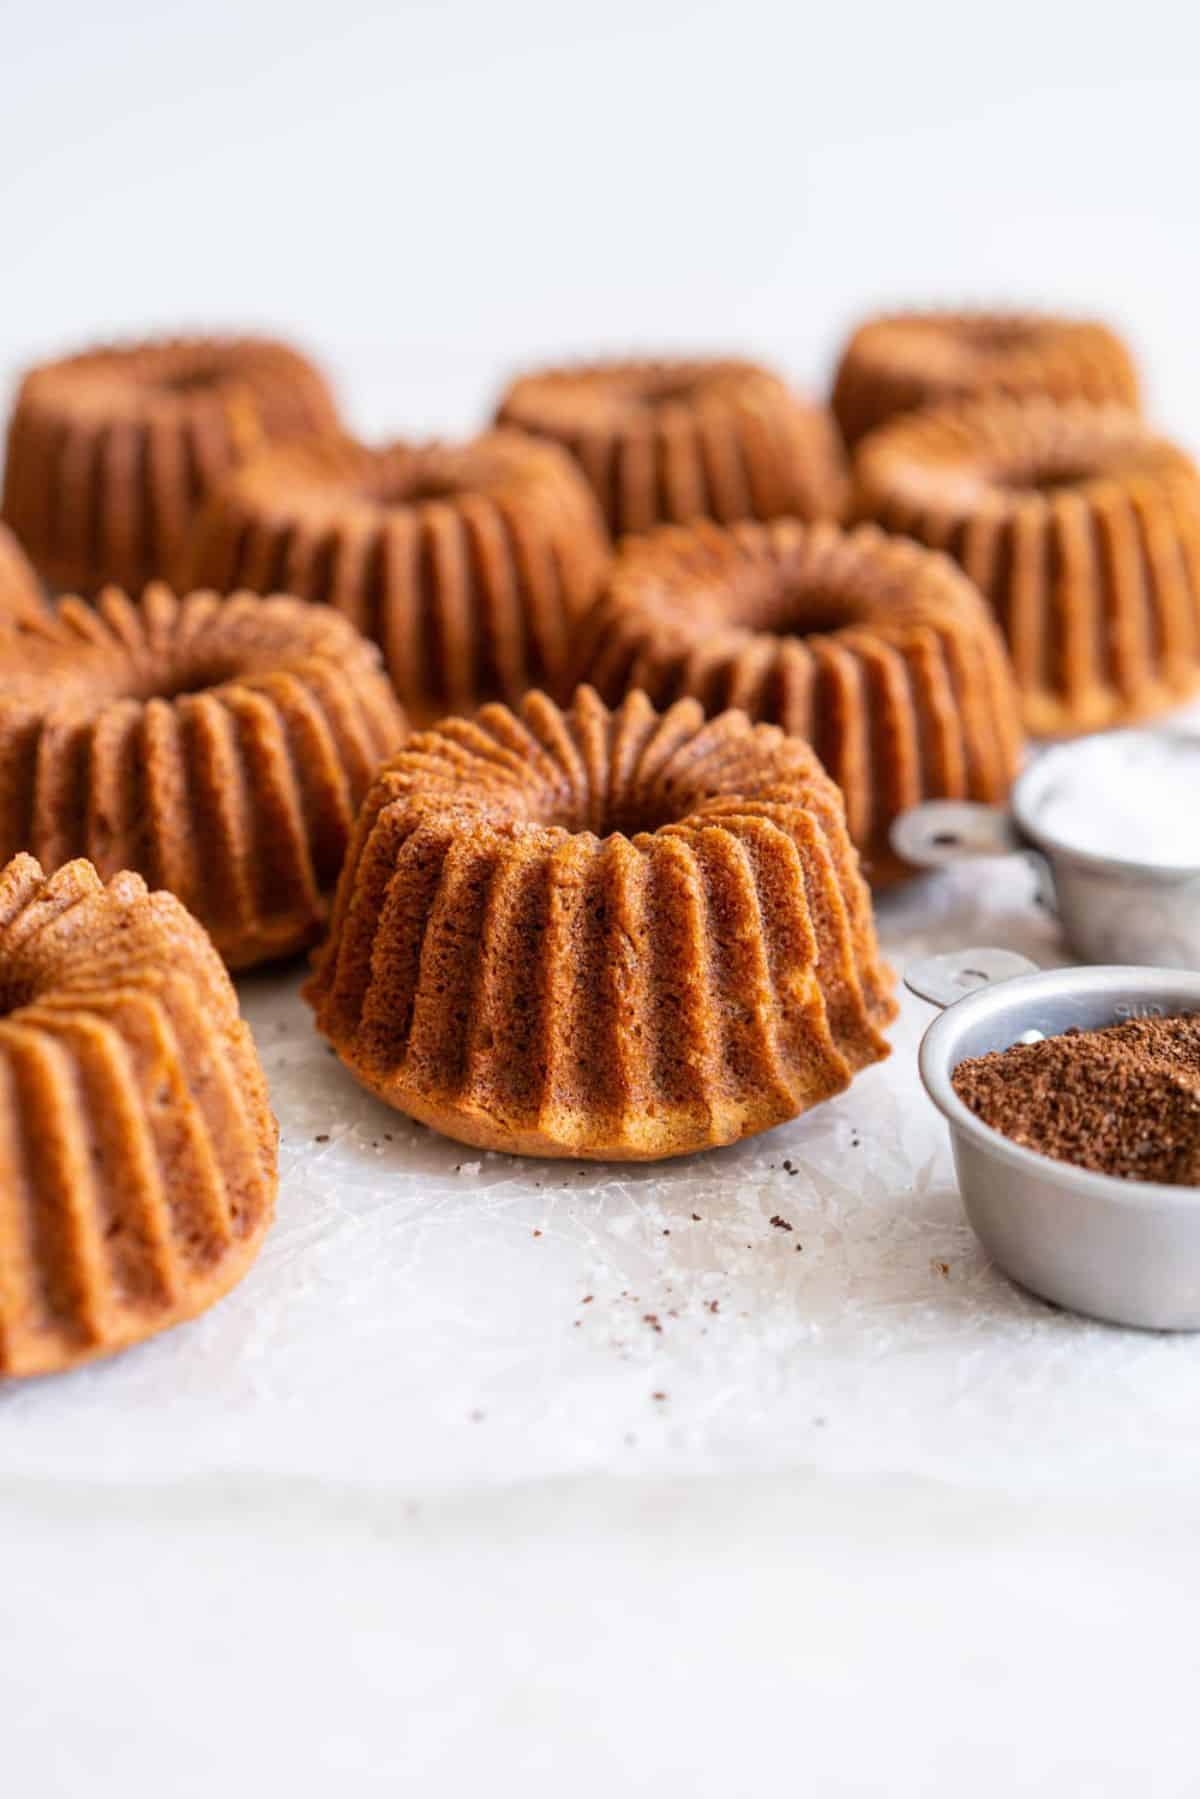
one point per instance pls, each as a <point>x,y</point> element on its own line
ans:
<point>908,360</point>
<point>878,652</point>
<point>21,594</point>
<point>674,440</point>
<point>220,748</point>
<point>468,563</point>
<point>111,451</point>
<point>605,934</point>
<point>137,1148</point>
<point>1081,528</point>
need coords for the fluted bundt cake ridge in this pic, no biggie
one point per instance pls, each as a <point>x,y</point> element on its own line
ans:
<point>468,563</point>
<point>904,361</point>
<point>606,934</point>
<point>111,451</point>
<point>1082,529</point>
<point>879,653</point>
<point>21,594</point>
<point>137,1149</point>
<point>220,747</point>
<point>678,438</point>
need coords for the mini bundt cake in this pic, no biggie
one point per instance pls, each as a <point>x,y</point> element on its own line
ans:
<point>21,594</point>
<point>668,441</point>
<point>1081,528</point>
<point>905,361</point>
<point>603,934</point>
<point>468,563</point>
<point>111,451</point>
<point>137,1147</point>
<point>220,748</point>
<point>878,652</point>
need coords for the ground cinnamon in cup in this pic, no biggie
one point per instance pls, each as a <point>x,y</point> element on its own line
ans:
<point>1124,1100</point>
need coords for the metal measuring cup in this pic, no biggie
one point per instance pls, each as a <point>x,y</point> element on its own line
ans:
<point>1112,909</point>
<point>1126,1251</point>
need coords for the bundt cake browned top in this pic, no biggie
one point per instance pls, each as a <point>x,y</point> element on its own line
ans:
<point>1082,529</point>
<point>608,934</point>
<point>999,456</point>
<point>137,1148</point>
<point>110,451</point>
<point>902,361</point>
<point>219,747</point>
<point>468,563</point>
<point>675,439</point>
<point>881,654</point>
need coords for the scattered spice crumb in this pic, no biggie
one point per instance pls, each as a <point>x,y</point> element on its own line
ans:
<point>651,1318</point>
<point>781,1224</point>
<point>658,1396</point>
<point>537,1233</point>
<point>322,1137</point>
<point>714,1305</point>
<point>666,1233</point>
<point>587,1299</point>
<point>942,1268</point>
<point>696,1218</point>
<point>799,1247</point>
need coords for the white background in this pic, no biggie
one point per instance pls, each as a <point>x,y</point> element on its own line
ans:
<point>387,1519</point>
<point>429,193</point>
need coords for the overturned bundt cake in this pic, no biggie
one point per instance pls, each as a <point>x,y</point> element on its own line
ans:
<point>878,652</point>
<point>673,440</point>
<point>604,934</point>
<point>1081,528</point>
<point>137,1148</point>
<point>468,563</point>
<point>220,748</point>
<point>111,451</point>
<point>21,594</point>
<point>904,361</point>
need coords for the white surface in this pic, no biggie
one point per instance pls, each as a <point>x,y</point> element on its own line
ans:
<point>432,191</point>
<point>278,1552</point>
<point>405,1509</point>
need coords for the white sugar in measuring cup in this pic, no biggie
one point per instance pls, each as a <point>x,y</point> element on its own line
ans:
<point>1124,1251</point>
<point>1123,906</point>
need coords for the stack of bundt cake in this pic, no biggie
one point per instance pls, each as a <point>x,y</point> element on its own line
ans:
<point>581,829</point>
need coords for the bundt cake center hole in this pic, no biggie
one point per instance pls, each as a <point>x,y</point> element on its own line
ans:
<point>790,605</point>
<point>409,487</point>
<point>998,337</point>
<point>16,991</point>
<point>191,381</point>
<point>1049,476</point>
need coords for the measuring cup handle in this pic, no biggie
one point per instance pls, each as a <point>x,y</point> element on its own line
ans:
<point>943,980</point>
<point>942,832</point>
